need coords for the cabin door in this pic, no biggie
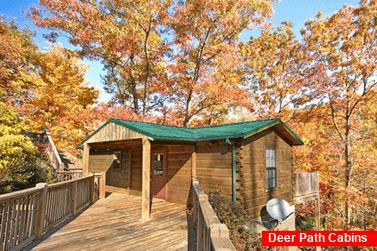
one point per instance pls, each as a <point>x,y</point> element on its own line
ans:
<point>158,175</point>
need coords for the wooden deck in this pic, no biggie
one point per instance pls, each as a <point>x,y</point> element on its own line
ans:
<point>114,224</point>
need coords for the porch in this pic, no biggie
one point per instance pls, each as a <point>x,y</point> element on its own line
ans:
<point>306,186</point>
<point>141,167</point>
<point>114,223</point>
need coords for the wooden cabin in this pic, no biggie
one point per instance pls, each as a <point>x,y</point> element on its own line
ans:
<point>250,162</point>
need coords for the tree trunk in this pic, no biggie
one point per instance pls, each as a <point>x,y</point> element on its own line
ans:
<point>147,65</point>
<point>134,93</point>
<point>135,98</point>
<point>187,110</point>
<point>348,173</point>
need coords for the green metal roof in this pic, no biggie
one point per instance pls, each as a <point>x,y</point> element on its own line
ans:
<point>225,131</point>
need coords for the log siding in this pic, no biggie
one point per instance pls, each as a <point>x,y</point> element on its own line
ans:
<point>253,176</point>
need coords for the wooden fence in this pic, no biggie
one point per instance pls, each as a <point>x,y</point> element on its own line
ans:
<point>306,185</point>
<point>69,174</point>
<point>26,215</point>
<point>211,235</point>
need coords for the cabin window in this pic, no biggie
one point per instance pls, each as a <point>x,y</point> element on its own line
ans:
<point>157,164</point>
<point>271,168</point>
<point>117,158</point>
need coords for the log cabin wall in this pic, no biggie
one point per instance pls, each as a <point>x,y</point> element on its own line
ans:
<point>136,170</point>
<point>179,172</point>
<point>252,183</point>
<point>214,167</point>
<point>178,167</point>
<point>128,178</point>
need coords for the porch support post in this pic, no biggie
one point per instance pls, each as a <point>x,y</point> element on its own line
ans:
<point>85,163</point>
<point>146,181</point>
<point>129,175</point>
<point>193,162</point>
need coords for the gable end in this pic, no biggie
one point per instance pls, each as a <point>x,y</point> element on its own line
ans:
<point>111,131</point>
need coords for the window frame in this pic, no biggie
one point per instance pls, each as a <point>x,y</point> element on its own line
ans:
<point>271,168</point>
<point>118,158</point>
<point>162,164</point>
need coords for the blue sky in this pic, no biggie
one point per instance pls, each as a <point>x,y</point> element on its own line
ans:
<point>297,11</point>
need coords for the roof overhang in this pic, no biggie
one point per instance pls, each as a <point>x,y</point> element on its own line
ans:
<point>283,130</point>
<point>278,126</point>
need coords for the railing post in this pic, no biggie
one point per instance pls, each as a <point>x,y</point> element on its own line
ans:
<point>193,162</point>
<point>200,237</point>
<point>102,186</point>
<point>41,210</point>
<point>220,237</point>
<point>96,188</point>
<point>199,230</point>
<point>74,197</point>
<point>92,189</point>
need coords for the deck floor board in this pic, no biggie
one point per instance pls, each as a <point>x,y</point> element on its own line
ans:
<point>114,224</point>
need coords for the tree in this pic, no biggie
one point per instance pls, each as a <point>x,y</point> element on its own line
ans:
<point>135,40</point>
<point>126,36</point>
<point>16,56</point>
<point>324,87</point>
<point>273,68</point>
<point>59,96</point>
<point>12,134</point>
<point>206,35</point>
<point>106,111</point>
<point>342,75</point>
<point>20,164</point>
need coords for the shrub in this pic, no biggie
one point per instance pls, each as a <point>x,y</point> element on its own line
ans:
<point>25,171</point>
<point>305,216</point>
<point>237,221</point>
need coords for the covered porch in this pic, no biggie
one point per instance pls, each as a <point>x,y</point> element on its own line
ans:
<point>143,168</point>
<point>133,159</point>
<point>114,223</point>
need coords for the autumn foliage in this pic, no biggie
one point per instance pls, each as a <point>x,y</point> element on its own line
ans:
<point>183,63</point>
<point>161,55</point>
<point>59,96</point>
<point>17,50</point>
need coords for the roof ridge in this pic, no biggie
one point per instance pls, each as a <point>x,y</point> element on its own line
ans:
<point>236,123</point>
<point>193,128</point>
<point>151,123</point>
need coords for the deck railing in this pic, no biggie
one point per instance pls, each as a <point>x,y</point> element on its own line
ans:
<point>63,174</point>
<point>26,215</point>
<point>53,153</point>
<point>51,150</point>
<point>211,235</point>
<point>69,174</point>
<point>306,184</point>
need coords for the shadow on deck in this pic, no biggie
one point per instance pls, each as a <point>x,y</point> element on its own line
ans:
<point>114,224</point>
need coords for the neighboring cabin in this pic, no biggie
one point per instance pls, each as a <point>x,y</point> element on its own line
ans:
<point>250,162</point>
